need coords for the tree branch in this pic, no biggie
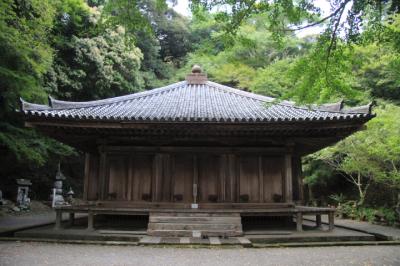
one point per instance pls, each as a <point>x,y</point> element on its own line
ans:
<point>333,35</point>
<point>244,14</point>
<point>341,7</point>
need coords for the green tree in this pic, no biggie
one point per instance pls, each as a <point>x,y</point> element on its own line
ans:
<point>91,64</point>
<point>372,155</point>
<point>98,67</point>
<point>324,71</point>
<point>25,51</point>
<point>25,57</point>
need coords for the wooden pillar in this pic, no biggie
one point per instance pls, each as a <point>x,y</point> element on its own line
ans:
<point>195,180</point>
<point>288,178</point>
<point>299,221</point>
<point>237,178</point>
<point>171,163</point>
<point>131,166</point>
<point>223,161</point>
<point>102,175</point>
<point>90,225</point>
<point>318,221</point>
<point>331,219</point>
<point>300,180</point>
<point>86,178</point>
<point>57,225</point>
<point>231,178</point>
<point>261,179</point>
<point>157,178</point>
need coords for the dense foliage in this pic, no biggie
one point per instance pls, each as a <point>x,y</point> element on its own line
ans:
<point>83,50</point>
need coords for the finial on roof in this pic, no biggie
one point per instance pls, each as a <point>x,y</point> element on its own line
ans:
<point>197,76</point>
<point>196,69</point>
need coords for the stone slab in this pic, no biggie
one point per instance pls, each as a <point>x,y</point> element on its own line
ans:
<point>11,224</point>
<point>150,240</point>
<point>184,240</point>
<point>244,241</point>
<point>380,231</point>
<point>214,241</point>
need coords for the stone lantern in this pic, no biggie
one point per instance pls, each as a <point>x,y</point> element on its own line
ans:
<point>57,195</point>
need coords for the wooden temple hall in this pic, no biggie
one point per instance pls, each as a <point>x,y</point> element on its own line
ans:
<point>194,155</point>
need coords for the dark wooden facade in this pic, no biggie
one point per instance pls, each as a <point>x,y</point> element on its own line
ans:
<point>168,174</point>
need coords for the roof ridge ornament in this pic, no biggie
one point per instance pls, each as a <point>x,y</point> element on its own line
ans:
<point>197,76</point>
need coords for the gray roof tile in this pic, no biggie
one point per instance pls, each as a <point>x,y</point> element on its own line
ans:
<point>182,102</point>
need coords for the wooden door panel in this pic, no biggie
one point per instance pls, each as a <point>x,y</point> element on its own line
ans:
<point>249,190</point>
<point>273,177</point>
<point>208,177</point>
<point>183,174</point>
<point>117,178</point>
<point>141,171</point>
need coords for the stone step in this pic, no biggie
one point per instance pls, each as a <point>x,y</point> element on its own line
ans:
<point>189,233</point>
<point>183,224</point>
<point>193,226</point>
<point>194,214</point>
<point>206,220</point>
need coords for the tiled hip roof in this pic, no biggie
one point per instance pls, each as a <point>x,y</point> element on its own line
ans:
<point>183,102</point>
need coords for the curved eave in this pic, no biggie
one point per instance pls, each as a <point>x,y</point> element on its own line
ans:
<point>37,115</point>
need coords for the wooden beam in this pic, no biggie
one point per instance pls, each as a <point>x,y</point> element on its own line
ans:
<point>194,149</point>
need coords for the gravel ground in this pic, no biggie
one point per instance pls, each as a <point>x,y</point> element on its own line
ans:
<point>24,253</point>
